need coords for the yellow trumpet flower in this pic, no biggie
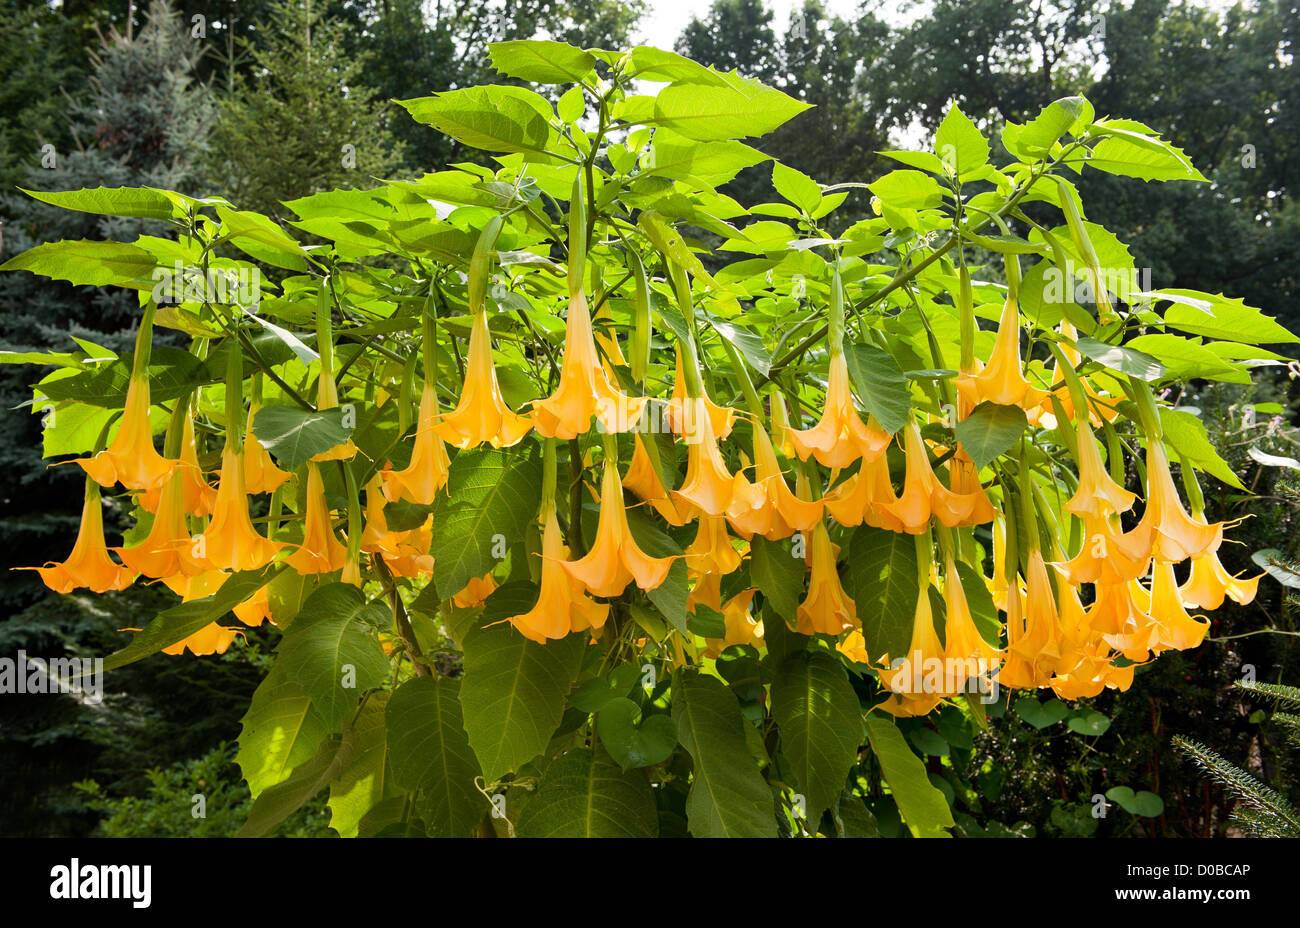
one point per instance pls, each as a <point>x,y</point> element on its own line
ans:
<point>1098,495</point>
<point>89,565</point>
<point>1208,584</point>
<point>1002,380</point>
<point>841,437</point>
<point>615,559</point>
<point>917,680</point>
<point>584,390</point>
<point>130,458</point>
<point>230,542</point>
<point>260,473</point>
<point>644,482</point>
<point>482,415</point>
<point>1178,629</point>
<point>167,550</point>
<point>827,609</point>
<point>563,606</point>
<point>709,486</point>
<point>768,507</point>
<point>680,417</point>
<point>712,552</point>
<point>198,496</point>
<point>867,496</point>
<point>428,470</point>
<point>1166,529</point>
<point>320,552</point>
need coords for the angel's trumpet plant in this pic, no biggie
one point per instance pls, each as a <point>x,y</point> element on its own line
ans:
<point>584,391</point>
<point>918,680</point>
<point>643,480</point>
<point>741,628</point>
<point>197,495</point>
<point>482,415</point>
<point>1166,528</point>
<point>1002,380</point>
<point>1178,630</point>
<point>712,551</point>
<point>429,467</point>
<point>962,640</point>
<point>827,609</point>
<point>563,605</point>
<point>1209,583</point>
<point>681,418</point>
<point>260,472</point>
<point>1098,496</point>
<point>840,437</point>
<point>320,552</point>
<point>89,566</point>
<point>327,393</point>
<point>768,507</point>
<point>866,497</point>
<point>230,542</point>
<point>615,559</point>
<point>130,458</point>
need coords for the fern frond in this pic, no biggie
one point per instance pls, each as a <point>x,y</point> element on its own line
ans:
<point>1258,824</point>
<point>1241,784</point>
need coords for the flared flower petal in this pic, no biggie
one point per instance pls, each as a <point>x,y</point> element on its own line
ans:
<point>429,468</point>
<point>482,415</point>
<point>615,559</point>
<point>230,542</point>
<point>840,437</point>
<point>826,609</point>
<point>130,458</point>
<point>320,552</point>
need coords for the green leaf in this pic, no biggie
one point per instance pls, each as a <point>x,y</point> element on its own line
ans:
<point>1127,151</point>
<point>1125,360</point>
<point>712,163</point>
<point>1143,803</point>
<point>670,596</point>
<point>884,580</point>
<point>96,264</point>
<point>881,384</point>
<point>1186,434</point>
<point>262,239</point>
<point>1218,316</point>
<point>542,62</point>
<point>797,187</point>
<point>362,782</point>
<point>1089,722</point>
<point>294,434</point>
<point>922,806</point>
<point>1068,115</point>
<point>728,796</point>
<point>1184,359</point>
<point>959,144</point>
<point>904,189</point>
<point>736,108</point>
<point>583,795</point>
<point>181,621</point>
<point>429,751</point>
<point>1041,715</point>
<point>820,721</point>
<point>280,731</point>
<point>749,344</point>
<point>332,652</point>
<point>513,695</point>
<point>493,118</point>
<point>631,743</point>
<point>991,430</point>
<point>778,575</point>
<point>173,372</point>
<point>1274,562</point>
<point>490,492</point>
<point>278,802</point>
<point>137,202</point>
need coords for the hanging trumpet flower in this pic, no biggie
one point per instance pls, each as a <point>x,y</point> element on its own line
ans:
<point>320,552</point>
<point>89,565</point>
<point>429,468</point>
<point>130,458</point>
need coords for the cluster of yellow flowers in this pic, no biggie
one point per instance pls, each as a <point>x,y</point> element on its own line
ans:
<point>1052,638</point>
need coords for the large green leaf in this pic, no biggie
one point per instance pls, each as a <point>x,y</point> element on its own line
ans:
<point>713,163</point>
<point>1186,359</point>
<point>173,372</point>
<point>778,575</point>
<point>1128,150</point>
<point>923,807</point>
<point>884,581</point>
<point>363,782</point>
<point>631,743</point>
<point>991,430</point>
<point>906,189</point>
<point>959,144</point>
<point>1218,316</point>
<point>332,651</point>
<point>493,118</point>
<point>294,434</point>
<point>584,795</point>
<point>97,264</point>
<point>881,384</point>
<point>737,108</point>
<point>1125,360</point>
<point>728,797</point>
<point>542,62</point>
<point>280,801</point>
<point>820,722</point>
<point>513,694</point>
<point>280,731</point>
<point>429,752</point>
<point>181,621</point>
<point>1187,435</point>
<point>490,493</point>
<point>137,202</point>
<point>797,187</point>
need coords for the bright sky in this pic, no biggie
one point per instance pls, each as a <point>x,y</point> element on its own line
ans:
<point>665,19</point>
